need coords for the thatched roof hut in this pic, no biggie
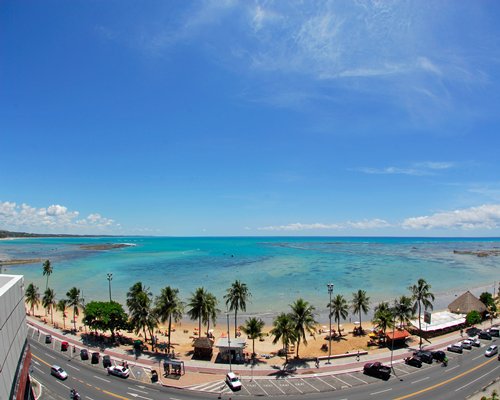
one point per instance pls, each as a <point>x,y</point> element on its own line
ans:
<point>466,303</point>
<point>203,348</point>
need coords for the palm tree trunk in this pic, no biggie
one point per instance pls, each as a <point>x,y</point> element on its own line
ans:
<point>338,327</point>
<point>253,346</point>
<point>74,319</point>
<point>297,352</point>
<point>235,321</point>
<point>51,315</point>
<point>169,331</point>
<point>199,326</point>
<point>360,320</point>
<point>420,325</point>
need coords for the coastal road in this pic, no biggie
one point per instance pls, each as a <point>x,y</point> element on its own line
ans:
<point>465,374</point>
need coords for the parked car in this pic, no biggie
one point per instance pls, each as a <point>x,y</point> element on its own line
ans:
<point>484,335</point>
<point>491,351</point>
<point>84,354</point>
<point>95,358</point>
<point>233,381</point>
<point>48,339</point>
<point>106,361</point>
<point>119,370</point>
<point>494,331</point>
<point>58,372</point>
<point>425,356</point>
<point>467,344</point>
<point>473,331</point>
<point>413,361</point>
<point>439,355</point>
<point>377,369</point>
<point>475,341</point>
<point>455,348</point>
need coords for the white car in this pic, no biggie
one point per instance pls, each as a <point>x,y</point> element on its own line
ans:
<point>491,351</point>
<point>233,381</point>
<point>58,372</point>
<point>475,341</point>
<point>467,344</point>
<point>119,370</point>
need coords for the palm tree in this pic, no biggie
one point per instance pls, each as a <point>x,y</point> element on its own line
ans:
<point>211,310</point>
<point>284,330</point>
<point>61,306</point>
<point>47,270</point>
<point>139,306</point>
<point>253,329</point>
<point>383,317</point>
<point>48,302</point>
<point>236,298</point>
<point>403,310</point>
<point>339,309</point>
<point>32,297</point>
<point>74,301</point>
<point>168,306</point>
<point>421,295</point>
<point>303,320</point>
<point>197,306</point>
<point>360,303</point>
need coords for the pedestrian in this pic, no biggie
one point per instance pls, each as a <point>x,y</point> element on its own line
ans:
<point>317,362</point>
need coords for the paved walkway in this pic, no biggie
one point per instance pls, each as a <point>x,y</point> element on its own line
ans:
<point>198,372</point>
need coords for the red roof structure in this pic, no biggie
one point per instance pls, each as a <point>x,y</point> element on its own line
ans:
<point>398,335</point>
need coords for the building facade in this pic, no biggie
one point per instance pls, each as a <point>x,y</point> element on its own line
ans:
<point>15,355</point>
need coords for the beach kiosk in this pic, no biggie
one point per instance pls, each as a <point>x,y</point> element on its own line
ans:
<point>234,349</point>
<point>203,348</point>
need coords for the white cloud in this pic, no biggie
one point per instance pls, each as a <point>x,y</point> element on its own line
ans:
<point>298,226</point>
<point>482,217</point>
<point>415,169</point>
<point>55,218</point>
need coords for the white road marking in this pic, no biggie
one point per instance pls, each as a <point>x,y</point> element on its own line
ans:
<point>326,383</point>
<point>355,377</point>
<point>38,369</point>
<point>345,383</point>
<point>90,398</point>
<point>102,379</point>
<point>261,387</point>
<point>48,355</point>
<point>279,387</point>
<point>452,368</point>
<point>69,365</point>
<point>140,391</point>
<point>479,356</point>
<point>421,380</point>
<point>475,380</point>
<point>138,395</point>
<point>315,388</point>
<point>381,391</point>
<point>62,384</point>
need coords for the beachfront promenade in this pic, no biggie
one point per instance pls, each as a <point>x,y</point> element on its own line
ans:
<point>201,374</point>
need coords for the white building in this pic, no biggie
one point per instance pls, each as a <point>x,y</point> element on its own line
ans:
<point>15,356</point>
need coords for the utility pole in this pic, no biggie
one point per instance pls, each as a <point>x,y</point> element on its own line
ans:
<point>330,291</point>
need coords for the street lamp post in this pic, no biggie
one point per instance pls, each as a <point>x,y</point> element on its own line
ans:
<point>330,291</point>
<point>110,278</point>
<point>229,342</point>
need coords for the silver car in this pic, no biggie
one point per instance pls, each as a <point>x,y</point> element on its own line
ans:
<point>58,372</point>
<point>491,351</point>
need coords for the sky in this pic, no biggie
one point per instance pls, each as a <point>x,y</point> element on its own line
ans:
<point>228,118</point>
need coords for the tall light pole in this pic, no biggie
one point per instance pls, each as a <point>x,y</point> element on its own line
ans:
<point>330,291</point>
<point>229,342</point>
<point>110,278</point>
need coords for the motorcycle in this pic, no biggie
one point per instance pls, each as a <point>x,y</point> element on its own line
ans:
<point>74,395</point>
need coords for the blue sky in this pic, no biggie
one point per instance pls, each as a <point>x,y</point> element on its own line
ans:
<point>250,118</point>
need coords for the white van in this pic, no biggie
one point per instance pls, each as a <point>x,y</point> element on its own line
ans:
<point>233,381</point>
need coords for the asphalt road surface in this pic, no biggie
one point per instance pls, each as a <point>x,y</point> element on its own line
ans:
<point>465,374</point>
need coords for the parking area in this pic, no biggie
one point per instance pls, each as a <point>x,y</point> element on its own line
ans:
<point>318,383</point>
<point>137,372</point>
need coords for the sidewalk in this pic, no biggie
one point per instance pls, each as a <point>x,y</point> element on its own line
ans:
<point>198,372</point>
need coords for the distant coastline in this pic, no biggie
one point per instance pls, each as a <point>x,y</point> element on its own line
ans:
<point>14,235</point>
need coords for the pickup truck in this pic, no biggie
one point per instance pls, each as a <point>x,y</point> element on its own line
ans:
<point>377,369</point>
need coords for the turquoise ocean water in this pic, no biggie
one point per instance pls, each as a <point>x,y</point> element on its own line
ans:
<point>277,270</point>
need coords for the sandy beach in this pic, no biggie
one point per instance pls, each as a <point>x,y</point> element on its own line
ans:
<point>186,331</point>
